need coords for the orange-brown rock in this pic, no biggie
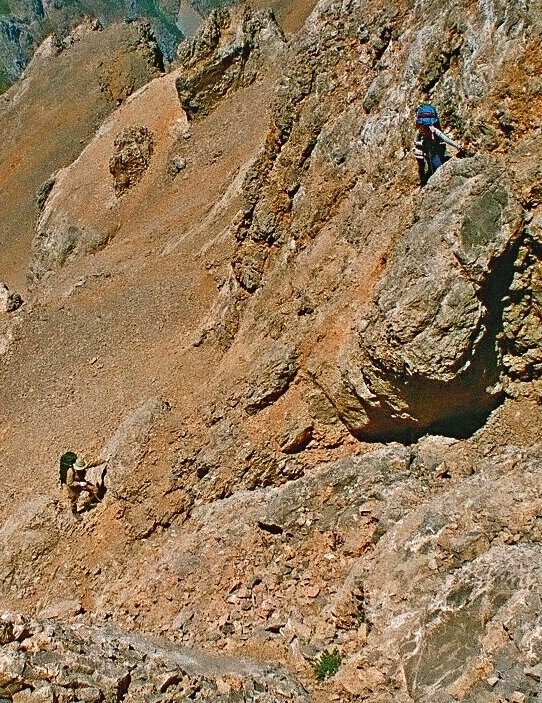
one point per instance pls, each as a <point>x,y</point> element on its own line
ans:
<point>314,387</point>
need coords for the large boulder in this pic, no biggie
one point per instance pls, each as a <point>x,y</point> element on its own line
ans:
<point>125,449</point>
<point>425,354</point>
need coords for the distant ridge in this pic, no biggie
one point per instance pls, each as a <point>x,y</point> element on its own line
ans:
<point>25,23</point>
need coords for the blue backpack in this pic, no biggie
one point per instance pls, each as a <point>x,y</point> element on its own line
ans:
<point>426,116</point>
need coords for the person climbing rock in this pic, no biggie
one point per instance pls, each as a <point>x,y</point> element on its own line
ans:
<point>430,143</point>
<point>73,476</point>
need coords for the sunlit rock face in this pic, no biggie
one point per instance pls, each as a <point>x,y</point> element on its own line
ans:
<point>307,389</point>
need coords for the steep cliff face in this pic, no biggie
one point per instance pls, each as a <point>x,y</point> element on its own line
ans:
<point>314,387</point>
<point>342,129</point>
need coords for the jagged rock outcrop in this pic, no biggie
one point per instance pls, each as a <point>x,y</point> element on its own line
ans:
<point>9,299</point>
<point>9,302</point>
<point>110,64</point>
<point>395,557</point>
<point>521,338</point>
<point>226,53</point>
<point>24,24</point>
<point>427,353</point>
<point>46,661</point>
<point>17,45</point>
<point>133,151</point>
<point>61,233</point>
<point>272,379</point>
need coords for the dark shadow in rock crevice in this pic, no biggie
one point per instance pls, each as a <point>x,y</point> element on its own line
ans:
<point>459,408</point>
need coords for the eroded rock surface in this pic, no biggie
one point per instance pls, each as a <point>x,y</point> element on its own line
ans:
<point>24,24</point>
<point>465,565</point>
<point>124,451</point>
<point>427,350</point>
<point>226,53</point>
<point>9,299</point>
<point>395,557</point>
<point>46,661</point>
<point>285,305</point>
<point>426,353</point>
<point>521,339</point>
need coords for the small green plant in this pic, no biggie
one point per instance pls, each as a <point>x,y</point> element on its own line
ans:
<point>327,664</point>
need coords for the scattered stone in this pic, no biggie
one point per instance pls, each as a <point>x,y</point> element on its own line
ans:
<point>183,618</point>
<point>9,300</point>
<point>106,664</point>
<point>297,439</point>
<point>43,694</point>
<point>270,527</point>
<point>176,165</point>
<point>310,651</point>
<point>312,591</point>
<point>359,680</point>
<point>534,671</point>
<point>61,609</point>
<point>24,696</point>
<point>89,694</point>
<point>273,378</point>
<point>6,632</point>
<point>275,626</point>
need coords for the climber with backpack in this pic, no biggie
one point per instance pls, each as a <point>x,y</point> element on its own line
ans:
<point>72,472</point>
<point>430,143</point>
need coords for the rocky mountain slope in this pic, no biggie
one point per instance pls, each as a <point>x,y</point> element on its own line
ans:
<point>314,388</point>
<point>24,24</point>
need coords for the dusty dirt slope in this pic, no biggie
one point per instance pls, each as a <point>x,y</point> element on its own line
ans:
<point>55,109</point>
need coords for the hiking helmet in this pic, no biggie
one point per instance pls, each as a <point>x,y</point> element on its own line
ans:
<point>79,464</point>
